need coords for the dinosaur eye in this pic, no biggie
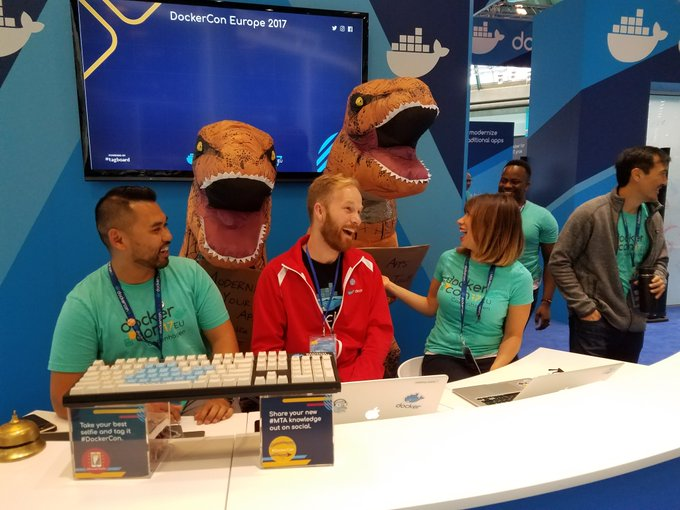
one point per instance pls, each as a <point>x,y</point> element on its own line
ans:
<point>199,149</point>
<point>271,156</point>
<point>358,101</point>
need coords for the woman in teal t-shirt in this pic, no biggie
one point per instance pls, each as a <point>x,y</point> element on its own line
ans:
<point>480,293</point>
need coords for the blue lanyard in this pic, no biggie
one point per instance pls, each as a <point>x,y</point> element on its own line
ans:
<point>638,221</point>
<point>463,292</point>
<point>131,320</point>
<point>338,263</point>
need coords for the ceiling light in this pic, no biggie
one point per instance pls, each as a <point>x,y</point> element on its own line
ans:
<point>519,9</point>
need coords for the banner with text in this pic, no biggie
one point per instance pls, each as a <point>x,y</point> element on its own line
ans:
<point>490,146</point>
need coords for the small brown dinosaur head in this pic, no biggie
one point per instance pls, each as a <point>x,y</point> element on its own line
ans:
<point>377,144</point>
<point>229,211</point>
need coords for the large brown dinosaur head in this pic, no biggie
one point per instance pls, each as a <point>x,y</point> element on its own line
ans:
<point>229,210</point>
<point>377,143</point>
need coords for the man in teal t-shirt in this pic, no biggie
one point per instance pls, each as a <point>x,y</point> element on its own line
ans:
<point>633,244</point>
<point>603,246</point>
<point>116,311</point>
<point>540,235</point>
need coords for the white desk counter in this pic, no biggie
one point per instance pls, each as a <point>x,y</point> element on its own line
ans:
<point>195,474</point>
<point>461,457</point>
<point>471,456</point>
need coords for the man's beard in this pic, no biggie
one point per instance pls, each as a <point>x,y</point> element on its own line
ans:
<point>333,235</point>
<point>156,262</point>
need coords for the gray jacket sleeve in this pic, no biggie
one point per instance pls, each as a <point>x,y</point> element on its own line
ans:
<point>661,263</point>
<point>571,244</point>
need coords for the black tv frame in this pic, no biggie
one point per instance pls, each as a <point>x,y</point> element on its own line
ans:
<point>94,174</point>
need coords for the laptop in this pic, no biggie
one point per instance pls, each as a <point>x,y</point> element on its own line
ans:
<point>496,393</point>
<point>388,398</point>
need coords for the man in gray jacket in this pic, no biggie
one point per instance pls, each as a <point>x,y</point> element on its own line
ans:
<point>596,258</point>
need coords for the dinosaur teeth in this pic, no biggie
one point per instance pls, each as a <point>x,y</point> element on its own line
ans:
<point>404,179</point>
<point>234,260</point>
<point>393,113</point>
<point>429,174</point>
<point>236,175</point>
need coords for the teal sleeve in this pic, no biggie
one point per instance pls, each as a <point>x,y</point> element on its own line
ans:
<point>549,229</point>
<point>210,309</point>
<point>523,288</point>
<point>75,339</point>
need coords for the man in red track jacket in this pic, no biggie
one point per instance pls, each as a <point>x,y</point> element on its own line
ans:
<point>324,292</point>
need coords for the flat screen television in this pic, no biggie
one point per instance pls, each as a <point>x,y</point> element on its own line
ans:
<point>151,74</point>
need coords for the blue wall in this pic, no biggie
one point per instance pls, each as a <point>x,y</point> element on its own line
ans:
<point>584,113</point>
<point>49,241</point>
<point>593,106</point>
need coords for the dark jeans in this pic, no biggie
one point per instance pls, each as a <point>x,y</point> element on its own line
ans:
<point>455,368</point>
<point>599,338</point>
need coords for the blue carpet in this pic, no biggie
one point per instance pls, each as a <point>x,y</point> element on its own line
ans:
<point>661,338</point>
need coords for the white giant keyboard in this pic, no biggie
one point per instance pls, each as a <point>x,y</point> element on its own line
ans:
<point>193,377</point>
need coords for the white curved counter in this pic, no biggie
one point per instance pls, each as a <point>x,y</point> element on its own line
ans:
<point>466,456</point>
<point>459,457</point>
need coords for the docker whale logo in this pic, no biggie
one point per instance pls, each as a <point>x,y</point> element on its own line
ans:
<point>13,38</point>
<point>631,40</point>
<point>484,41</point>
<point>410,57</point>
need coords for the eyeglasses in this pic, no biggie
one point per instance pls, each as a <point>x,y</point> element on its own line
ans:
<point>467,354</point>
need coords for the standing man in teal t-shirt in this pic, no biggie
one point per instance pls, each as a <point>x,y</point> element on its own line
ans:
<point>540,235</point>
<point>143,303</point>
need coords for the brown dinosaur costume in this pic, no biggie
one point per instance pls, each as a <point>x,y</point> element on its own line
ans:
<point>377,146</point>
<point>383,122</point>
<point>229,208</point>
<point>229,213</point>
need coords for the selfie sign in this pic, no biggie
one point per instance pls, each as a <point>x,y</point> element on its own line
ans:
<point>108,442</point>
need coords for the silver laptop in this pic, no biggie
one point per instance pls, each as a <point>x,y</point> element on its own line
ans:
<point>388,398</point>
<point>496,393</point>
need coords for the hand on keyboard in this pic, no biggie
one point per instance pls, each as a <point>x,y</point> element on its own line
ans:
<point>214,411</point>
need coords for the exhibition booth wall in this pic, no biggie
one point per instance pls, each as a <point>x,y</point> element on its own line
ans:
<point>589,99</point>
<point>49,237</point>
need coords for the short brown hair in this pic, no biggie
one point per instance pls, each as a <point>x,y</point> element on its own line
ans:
<point>113,209</point>
<point>496,224</point>
<point>324,186</point>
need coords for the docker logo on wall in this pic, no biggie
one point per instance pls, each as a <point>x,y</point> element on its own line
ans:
<point>411,56</point>
<point>631,40</point>
<point>483,41</point>
<point>501,42</point>
<point>16,28</point>
<point>13,35</point>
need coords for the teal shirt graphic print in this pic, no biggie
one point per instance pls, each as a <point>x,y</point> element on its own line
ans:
<point>511,285</point>
<point>92,324</point>
<point>632,249</point>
